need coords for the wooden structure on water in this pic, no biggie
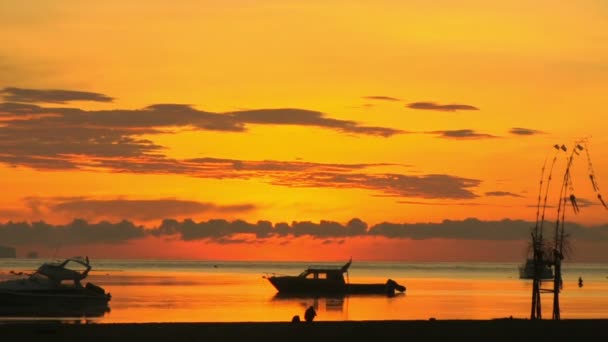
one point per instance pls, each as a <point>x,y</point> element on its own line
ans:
<point>552,252</point>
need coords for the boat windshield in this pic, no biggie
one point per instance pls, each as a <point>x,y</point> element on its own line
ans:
<point>39,278</point>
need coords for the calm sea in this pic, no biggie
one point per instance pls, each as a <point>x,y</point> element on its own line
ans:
<point>227,291</point>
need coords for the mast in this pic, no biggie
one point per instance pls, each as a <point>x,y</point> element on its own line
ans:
<point>538,243</point>
<point>558,245</point>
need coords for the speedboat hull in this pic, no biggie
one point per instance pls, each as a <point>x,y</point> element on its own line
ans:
<point>299,285</point>
<point>54,289</point>
<point>53,303</point>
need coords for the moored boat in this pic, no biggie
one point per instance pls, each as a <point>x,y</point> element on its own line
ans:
<point>54,289</point>
<point>329,280</point>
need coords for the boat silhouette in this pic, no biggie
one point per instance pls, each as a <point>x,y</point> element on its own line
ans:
<point>329,280</point>
<point>54,290</point>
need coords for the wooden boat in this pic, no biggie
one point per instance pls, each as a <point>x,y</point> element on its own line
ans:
<point>329,280</point>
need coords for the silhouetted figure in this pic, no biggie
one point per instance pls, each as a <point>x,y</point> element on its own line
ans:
<point>310,314</point>
<point>580,282</point>
<point>295,319</point>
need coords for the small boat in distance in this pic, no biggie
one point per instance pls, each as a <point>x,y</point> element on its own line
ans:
<point>329,280</point>
<point>526,270</point>
<point>54,289</point>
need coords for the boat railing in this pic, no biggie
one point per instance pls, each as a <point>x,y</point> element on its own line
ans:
<point>324,268</point>
<point>342,268</point>
<point>272,274</point>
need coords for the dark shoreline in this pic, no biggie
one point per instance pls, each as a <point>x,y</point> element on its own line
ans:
<point>453,330</point>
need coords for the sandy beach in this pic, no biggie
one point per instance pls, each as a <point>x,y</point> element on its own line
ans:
<point>468,330</point>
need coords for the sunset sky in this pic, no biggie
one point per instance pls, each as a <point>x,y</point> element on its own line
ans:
<point>300,130</point>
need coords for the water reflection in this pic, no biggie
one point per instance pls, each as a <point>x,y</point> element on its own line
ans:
<point>327,303</point>
<point>47,309</point>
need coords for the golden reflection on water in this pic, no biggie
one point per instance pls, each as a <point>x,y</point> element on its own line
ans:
<point>191,297</point>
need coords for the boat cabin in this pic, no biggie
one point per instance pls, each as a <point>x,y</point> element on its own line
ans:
<point>330,274</point>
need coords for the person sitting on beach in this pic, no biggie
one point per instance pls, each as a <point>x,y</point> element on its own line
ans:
<point>310,314</point>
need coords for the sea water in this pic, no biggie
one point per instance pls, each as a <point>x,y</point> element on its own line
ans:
<point>236,291</point>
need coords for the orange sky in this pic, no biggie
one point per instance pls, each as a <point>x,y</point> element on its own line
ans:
<point>290,111</point>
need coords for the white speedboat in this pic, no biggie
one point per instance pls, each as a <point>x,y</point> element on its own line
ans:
<point>54,289</point>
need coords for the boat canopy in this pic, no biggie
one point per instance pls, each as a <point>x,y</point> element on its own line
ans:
<point>59,272</point>
<point>327,269</point>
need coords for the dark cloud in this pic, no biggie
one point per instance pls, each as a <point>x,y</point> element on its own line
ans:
<point>65,137</point>
<point>326,229</point>
<point>501,194</point>
<point>223,168</point>
<point>301,117</point>
<point>75,233</point>
<point>144,210</point>
<point>77,140</point>
<point>524,131</point>
<point>440,107</point>
<point>474,229</point>
<point>275,165</point>
<point>580,202</point>
<point>462,134</point>
<point>583,202</point>
<point>333,242</point>
<point>212,229</point>
<point>381,98</point>
<point>111,141</point>
<point>51,95</point>
<point>468,204</point>
<point>221,231</point>
<point>425,186</point>
<point>303,174</point>
<point>154,118</point>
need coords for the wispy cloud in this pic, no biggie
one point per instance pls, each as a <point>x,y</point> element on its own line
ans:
<point>125,209</point>
<point>141,210</point>
<point>398,185</point>
<point>59,96</point>
<point>381,98</point>
<point>173,115</point>
<point>462,134</point>
<point>580,202</point>
<point>303,174</point>
<point>524,131</point>
<point>301,117</point>
<point>501,194</point>
<point>44,137</point>
<point>468,204</point>
<point>110,140</point>
<point>439,107</point>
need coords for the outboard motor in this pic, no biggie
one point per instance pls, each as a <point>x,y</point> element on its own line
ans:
<point>391,286</point>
